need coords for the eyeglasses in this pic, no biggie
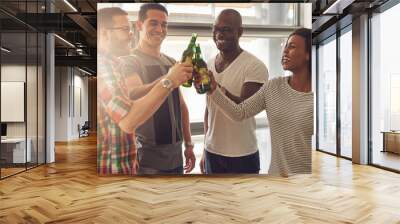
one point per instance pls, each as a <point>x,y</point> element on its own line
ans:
<point>122,28</point>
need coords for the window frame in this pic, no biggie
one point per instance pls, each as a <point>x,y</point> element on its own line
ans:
<point>333,37</point>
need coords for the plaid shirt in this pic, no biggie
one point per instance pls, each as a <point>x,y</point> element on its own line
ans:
<point>116,149</point>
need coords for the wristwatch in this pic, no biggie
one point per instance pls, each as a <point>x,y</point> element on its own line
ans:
<point>167,83</point>
<point>189,144</point>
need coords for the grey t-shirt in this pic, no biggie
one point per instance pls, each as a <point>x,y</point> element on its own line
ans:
<point>160,137</point>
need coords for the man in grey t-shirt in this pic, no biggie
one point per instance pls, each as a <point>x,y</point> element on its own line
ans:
<point>161,137</point>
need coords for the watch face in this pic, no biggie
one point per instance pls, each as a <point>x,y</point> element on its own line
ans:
<point>167,83</point>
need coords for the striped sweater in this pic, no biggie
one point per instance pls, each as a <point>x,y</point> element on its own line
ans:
<point>290,115</point>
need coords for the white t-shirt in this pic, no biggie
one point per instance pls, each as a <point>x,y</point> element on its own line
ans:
<point>224,136</point>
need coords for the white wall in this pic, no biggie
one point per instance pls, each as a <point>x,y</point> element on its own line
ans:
<point>80,103</point>
<point>61,103</point>
<point>69,85</point>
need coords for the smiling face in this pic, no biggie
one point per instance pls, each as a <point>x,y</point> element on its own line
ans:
<point>153,29</point>
<point>295,55</point>
<point>226,32</point>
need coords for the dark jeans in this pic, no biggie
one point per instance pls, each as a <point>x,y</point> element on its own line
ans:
<point>221,164</point>
<point>147,170</point>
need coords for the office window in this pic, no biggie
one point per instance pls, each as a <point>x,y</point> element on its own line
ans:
<point>13,83</point>
<point>261,14</point>
<point>327,96</point>
<point>266,49</point>
<point>385,87</point>
<point>22,80</point>
<point>314,89</point>
<point>346,94</point>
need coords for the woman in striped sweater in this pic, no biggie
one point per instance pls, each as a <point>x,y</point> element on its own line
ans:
<point>289,104</point>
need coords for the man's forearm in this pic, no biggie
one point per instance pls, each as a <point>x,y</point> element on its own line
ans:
<point>248,90</point>
<point>143,108</point>
<point>140,91</point>
<point>236,99</point>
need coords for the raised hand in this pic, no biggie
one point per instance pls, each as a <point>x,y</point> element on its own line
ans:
<point>180,73</point>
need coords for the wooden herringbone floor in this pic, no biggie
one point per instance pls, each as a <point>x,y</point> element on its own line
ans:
<point>69,191</point>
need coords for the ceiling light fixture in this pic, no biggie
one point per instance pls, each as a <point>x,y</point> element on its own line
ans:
<point>80,51</point>
<point>5,50</point>
<point>337,7</point>
<point>70,5</point>
<point>65,41</point>
<point>84,71</point>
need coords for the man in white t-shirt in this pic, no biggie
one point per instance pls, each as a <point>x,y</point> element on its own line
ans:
<point>231,146</point>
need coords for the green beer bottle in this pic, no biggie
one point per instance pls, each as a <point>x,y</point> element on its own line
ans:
<point>187,56</point>
<point>202,80</point>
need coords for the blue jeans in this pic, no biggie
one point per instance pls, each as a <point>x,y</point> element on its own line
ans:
<point>147,170</point>
<point>215,164</point>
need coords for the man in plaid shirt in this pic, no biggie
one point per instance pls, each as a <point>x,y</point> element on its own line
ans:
<point>118,116</point>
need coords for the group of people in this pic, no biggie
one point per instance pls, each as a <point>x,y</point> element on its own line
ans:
<point>143,120</point>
